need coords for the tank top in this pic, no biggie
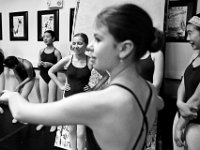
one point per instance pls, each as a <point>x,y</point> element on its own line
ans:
<point>146,68</point>
<point>192,80</point>
<point>91,141</point>
<point>77,78</point>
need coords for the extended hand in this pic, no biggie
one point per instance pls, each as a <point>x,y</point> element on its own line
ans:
<point>5,95</point>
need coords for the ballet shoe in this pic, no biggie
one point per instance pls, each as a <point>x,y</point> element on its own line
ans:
<point>39,127</point>
<point>14,121</point>
<point>53,128</point>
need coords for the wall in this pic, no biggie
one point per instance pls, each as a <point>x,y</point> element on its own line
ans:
<point>177,55</point>
<point>30,49</point>
<point>89,9</point>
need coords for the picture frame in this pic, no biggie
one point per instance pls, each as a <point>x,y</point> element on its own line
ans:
<point>178,14</point>
<point>18,26</point>
<point>1,34</point>
<point>71,20</point>
<point>48,20</point>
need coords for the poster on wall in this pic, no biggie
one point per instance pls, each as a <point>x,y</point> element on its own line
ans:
<point>48,20</point>
<point>1,27</point>
<point>18,25</point>
<point>178,13</point>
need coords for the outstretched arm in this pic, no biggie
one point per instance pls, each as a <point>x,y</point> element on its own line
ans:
<point>65,111</point>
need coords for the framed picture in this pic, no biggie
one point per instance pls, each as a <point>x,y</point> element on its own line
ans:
<point>1,27</point>
<point>48,20</point>
<point>18,26</point>
<point>71,19</point>
<point>178,13</point>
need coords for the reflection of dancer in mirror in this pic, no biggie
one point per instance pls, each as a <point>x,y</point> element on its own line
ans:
<point>2,75</point>
<point>77,68</point>
<point>48,56</point>
<point>119,116</point>
<point>25,74</point>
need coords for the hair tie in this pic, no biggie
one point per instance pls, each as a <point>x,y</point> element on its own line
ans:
<point>195,20</point>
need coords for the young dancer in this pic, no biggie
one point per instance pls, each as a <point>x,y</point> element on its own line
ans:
<point>48,56</point>
<point>77,68</point>
<point>25,74</point>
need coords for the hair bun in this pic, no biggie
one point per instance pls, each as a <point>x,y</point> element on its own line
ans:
<point>158,41</point>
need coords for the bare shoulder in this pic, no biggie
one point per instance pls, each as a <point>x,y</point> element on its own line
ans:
<point>157,54</point>
<point>64,60</point>
<point>194,55</point>
<point>111,102</point>
<point>41,50</point>
<point>57,52</point>
<point>117,98</point>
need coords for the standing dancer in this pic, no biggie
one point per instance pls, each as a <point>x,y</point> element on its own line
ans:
<point>47,58</point>
<point>78,70</point>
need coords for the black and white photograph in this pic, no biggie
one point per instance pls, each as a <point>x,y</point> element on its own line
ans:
<point>48,20</point>
<point>99,75</point>
<point>18,25</point>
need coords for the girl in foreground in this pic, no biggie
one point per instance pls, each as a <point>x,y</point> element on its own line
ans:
<point>121,114</point>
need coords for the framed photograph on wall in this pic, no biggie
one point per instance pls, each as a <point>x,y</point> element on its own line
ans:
<point>48,20</point>
<point>18,25</point>
<point>71,19</point>
<point>178,13</point>
<point>1,34</point>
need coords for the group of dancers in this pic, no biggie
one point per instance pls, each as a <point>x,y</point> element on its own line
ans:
<point>119,116</point>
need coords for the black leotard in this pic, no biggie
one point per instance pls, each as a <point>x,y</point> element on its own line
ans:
<point>92,143</point>
<point>44,70</point>
<point>77,78</point>
<point>146,68</point>
<point>1,62</point>
<point>192,80</point>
